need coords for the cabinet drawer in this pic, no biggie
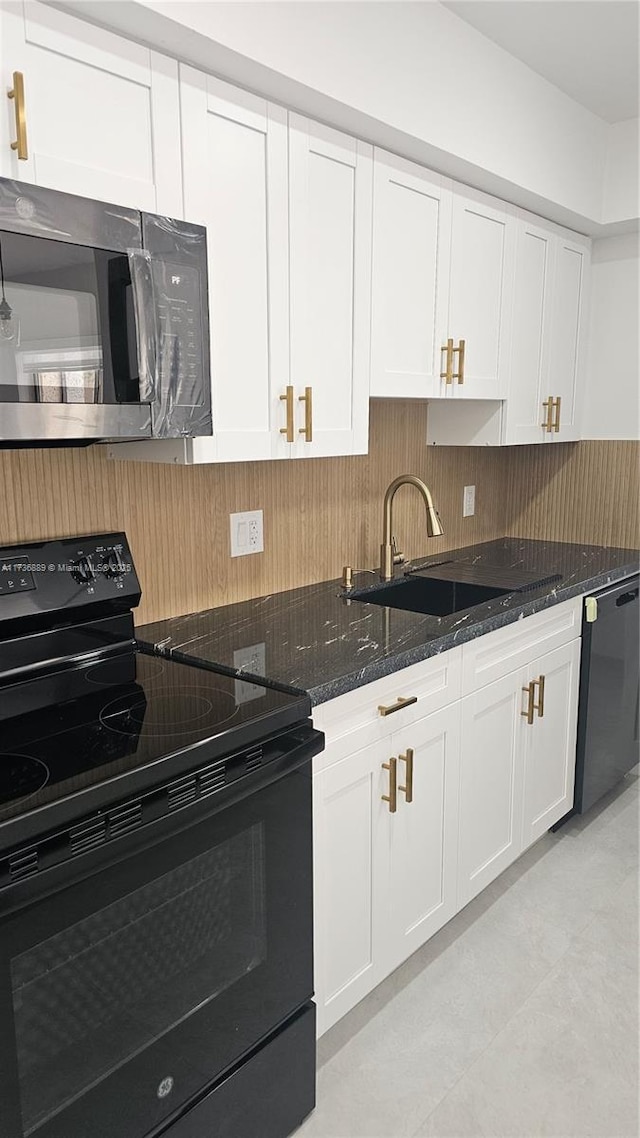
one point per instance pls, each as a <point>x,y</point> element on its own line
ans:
<point>497,653</point>
<point>433,684</point>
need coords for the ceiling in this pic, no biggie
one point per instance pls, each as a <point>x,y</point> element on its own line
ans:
<point>587,48</point>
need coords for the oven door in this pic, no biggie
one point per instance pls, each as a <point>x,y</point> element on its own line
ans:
<point>135,975</point>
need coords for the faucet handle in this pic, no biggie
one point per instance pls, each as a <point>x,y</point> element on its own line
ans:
<point>398,556</point>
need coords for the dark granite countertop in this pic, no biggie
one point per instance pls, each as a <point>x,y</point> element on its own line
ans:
<point>316,639</point>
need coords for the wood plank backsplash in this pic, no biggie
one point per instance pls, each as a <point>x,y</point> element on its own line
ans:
<point>318,514</point>
<point>586,492</point>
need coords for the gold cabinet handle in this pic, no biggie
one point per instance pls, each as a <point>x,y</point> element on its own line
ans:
<point>392,796</point>
<point>447,374</point>
<point>459,374</point>
<point>548,419</point>
<point>398,705</point>
<point>17,94</point>
<point>539,706</point>
<point>556,418</point>
<point>407,789</point>
<point>288,431</point>
<point>307,430</point>
<point>528,713</point>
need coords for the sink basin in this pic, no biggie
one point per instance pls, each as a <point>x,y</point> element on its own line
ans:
<point>430,595</point>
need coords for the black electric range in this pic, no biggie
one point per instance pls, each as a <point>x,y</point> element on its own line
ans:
<point>145,803</point>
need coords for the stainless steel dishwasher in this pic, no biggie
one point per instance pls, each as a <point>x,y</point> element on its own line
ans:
<point>608,709</point>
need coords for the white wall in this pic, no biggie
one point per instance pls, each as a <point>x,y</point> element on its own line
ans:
<point>411,76</point>
<point>612,402</point>
<point>621,184</point>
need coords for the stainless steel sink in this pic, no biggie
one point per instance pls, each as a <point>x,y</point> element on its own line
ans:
<point>429,595</point>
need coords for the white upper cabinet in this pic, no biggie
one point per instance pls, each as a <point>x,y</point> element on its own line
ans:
<point>547,368</point>
<point>443,266</point>
<point>411,239</point>
<point>234,148</point>
<point>567,363</point>
<point>545,365</point>
<point>102,112</point>
<point>287,205</point>
<point>532,311</point>
<point>330,203</point>
<point>480,297</point>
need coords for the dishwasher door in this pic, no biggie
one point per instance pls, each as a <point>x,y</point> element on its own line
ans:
<point>608,709</point>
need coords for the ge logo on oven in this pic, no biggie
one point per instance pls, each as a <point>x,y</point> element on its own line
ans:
<point>166,1087</point>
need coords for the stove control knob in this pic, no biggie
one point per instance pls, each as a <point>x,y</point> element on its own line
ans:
<point>113,565</point>
<point>82,571</point>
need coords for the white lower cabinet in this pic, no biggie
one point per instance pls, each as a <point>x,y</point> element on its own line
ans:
<point>350,881</point>
<point>490,784</point>
<point>549,768</point>
<point>517,764</point>
<point>420,838</point>
<point>410,824</point>
<point>385,835</point>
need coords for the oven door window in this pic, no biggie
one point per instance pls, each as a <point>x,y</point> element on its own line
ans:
<point>67,327</point>
<point>142,996</point>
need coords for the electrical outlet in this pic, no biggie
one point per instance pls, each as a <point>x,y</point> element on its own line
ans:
<point>469,502</point>
<point>247,534</point>
<point>253,660</point>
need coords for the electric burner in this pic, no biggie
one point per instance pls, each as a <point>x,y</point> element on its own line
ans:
<point>20,777</point>
<point>170,713</point>
<point>121,670</point>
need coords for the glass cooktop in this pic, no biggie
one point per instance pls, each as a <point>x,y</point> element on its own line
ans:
<point>99,722</point>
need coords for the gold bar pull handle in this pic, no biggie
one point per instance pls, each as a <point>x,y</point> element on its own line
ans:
<point>539,706</point>
<point>398,705</point>
<point>17,94</point>
<point>447,374</point>
<point>288,431</point>
<point>556,418</point>
<point>459,374</point>
<point>307,430</point>
<point>530,691</point>
<point>392,796</point>
<point>548,419</point>
<point>407,789</point>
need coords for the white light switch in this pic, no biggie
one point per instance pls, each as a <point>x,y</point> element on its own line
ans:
<point>246,533</point>
<point>469,502</point>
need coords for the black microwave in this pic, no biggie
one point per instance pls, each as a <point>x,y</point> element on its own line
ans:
<point>104,324</point>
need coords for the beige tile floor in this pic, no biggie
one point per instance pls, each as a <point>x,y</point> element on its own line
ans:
<point>517,1020</point>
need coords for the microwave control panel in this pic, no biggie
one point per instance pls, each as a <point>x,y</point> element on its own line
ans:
<point>180,335</point>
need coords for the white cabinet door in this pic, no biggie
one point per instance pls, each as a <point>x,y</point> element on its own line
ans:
<point>102,112</point>
<point>330,202</point>
<point>550,755</point>
<point>350,881</point>
<point>235,183</point>
<point>567,363</point>
<point>528,383</point>
<point>410,283</point>
<point>422,835</point>
<point>480,299</point>
<point>490,783</point>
